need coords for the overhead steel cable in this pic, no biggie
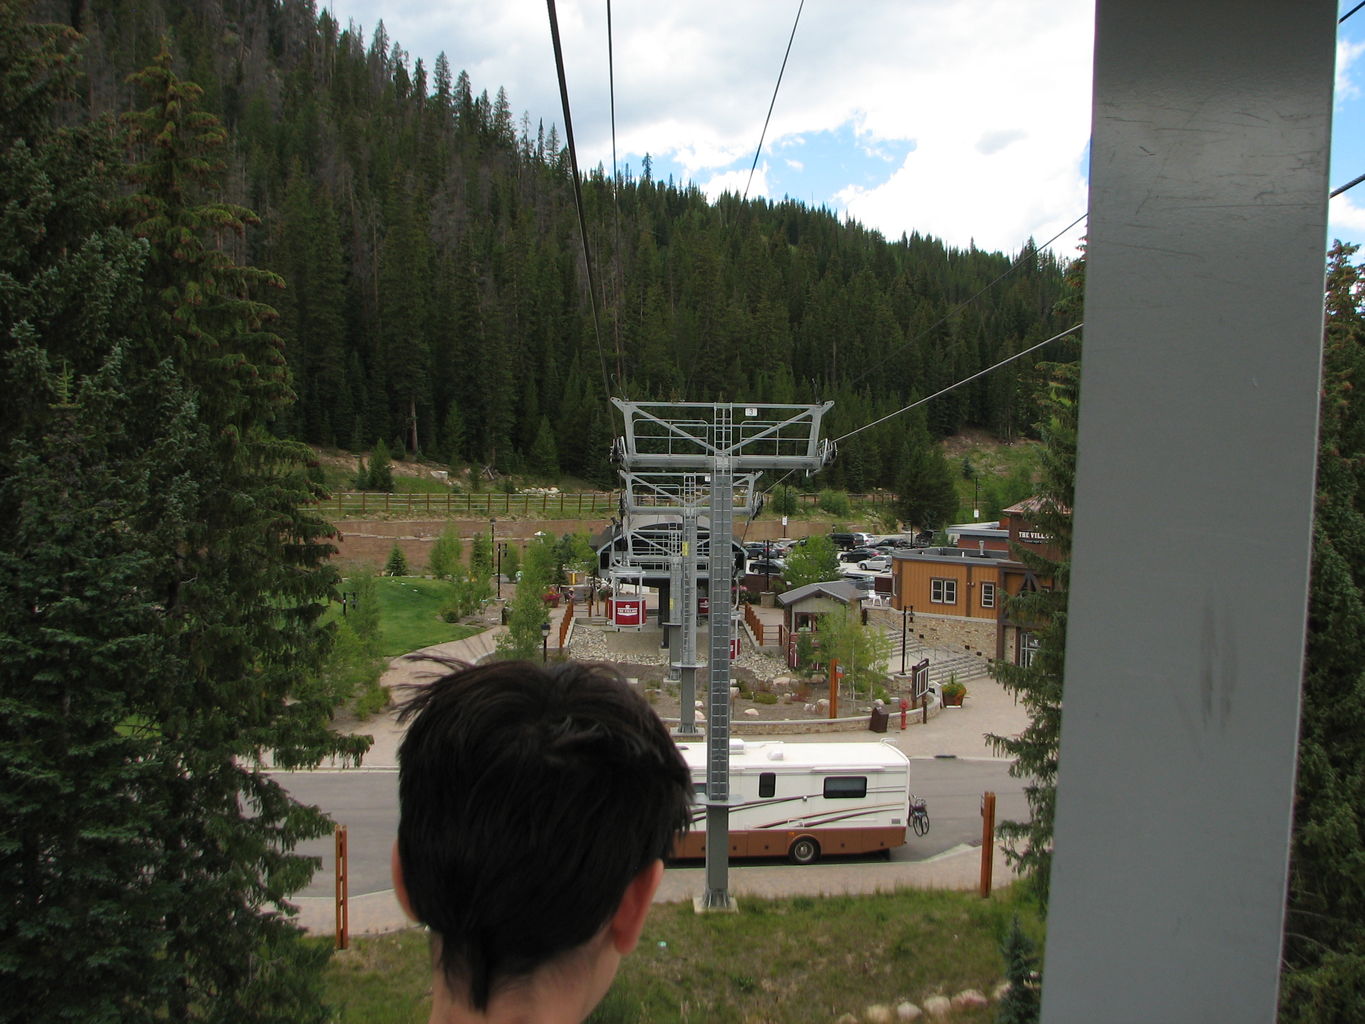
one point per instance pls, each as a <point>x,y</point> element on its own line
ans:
<point>1018,261</point>
<point>764,134</point>
<point>615,209</point>
<point>577,190</point>
<point>966,380</point>
<point>1351,12</point>
<point>611,91</point>
<point>918,402</point>
<point>1354,181</point>
<point>960,306</point>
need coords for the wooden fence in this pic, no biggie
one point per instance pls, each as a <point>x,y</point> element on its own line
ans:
<point>560,505</point>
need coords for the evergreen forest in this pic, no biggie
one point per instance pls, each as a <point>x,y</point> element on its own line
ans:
<point>435,295</point>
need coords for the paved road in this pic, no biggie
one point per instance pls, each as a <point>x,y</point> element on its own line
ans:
<point>367,803</point>
<point>952,764</point>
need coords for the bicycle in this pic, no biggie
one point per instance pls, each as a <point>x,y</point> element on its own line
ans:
<point>919,815</point>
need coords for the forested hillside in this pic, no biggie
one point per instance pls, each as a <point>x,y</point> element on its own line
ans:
<point>436,294</point>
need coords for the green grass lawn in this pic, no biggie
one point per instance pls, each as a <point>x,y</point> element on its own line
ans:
<point>409,608</point>
<point>784,961</point>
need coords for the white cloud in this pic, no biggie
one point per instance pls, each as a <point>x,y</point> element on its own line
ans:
<point>1347,53</point>
<point>994,95</point>
<point>1344,213</point>
<point>735,181</point>
<point>992,142</point>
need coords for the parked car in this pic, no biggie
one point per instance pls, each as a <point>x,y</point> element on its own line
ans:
<point>765,549</point>
<point>845,541</point>
<point>857,554</point>
<point>877,563</point>
<point>759,567</point>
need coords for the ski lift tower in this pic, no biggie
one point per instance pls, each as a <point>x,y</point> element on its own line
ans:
<point>721,441</point>
<point>661,522</point>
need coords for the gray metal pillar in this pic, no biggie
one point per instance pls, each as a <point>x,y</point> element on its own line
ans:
<point>1193,509</point>
<point>718,711</point>
<point>687,596</point>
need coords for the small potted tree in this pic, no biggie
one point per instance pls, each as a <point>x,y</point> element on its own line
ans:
<point>952,692</point>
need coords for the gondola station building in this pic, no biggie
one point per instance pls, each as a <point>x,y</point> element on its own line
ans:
<point>958,595</point>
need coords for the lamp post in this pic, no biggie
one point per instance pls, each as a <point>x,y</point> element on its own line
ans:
<point>904,612</point>
<point>545,641</point>
<point>494,553</point>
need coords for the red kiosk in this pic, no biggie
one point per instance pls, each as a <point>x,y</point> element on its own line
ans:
<point>627,612</point>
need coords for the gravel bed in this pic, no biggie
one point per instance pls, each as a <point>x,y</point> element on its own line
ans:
<point>592,643</point>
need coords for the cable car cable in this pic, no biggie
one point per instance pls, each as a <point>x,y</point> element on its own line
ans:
<point>577,189</point>
<point>764,134</point>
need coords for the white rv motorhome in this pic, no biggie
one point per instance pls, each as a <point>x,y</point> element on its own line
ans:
<point>800,800</point>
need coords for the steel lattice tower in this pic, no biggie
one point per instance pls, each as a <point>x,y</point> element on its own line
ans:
<point>694,459</point>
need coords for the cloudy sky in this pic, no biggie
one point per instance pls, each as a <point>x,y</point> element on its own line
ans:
<point>964,119</point>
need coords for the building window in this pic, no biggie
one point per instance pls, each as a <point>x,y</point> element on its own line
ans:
<point>943,591</point>
<point>847,787</point>
<point>1028,647</point>
<point>767,783</point>
<point>988,595</point>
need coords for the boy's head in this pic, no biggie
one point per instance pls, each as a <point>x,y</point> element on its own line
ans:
<point>535,804</point>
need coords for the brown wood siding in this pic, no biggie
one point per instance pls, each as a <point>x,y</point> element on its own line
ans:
<point>915,586</point>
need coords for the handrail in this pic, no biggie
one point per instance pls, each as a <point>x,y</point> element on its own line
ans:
<point>754,623</point>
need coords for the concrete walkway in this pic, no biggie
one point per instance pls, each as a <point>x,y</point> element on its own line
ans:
<point>953,732</point>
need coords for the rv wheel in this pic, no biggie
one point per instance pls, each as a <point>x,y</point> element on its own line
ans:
<point>804,851</point>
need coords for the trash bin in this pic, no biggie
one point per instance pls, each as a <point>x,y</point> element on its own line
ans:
<point>877,723</point>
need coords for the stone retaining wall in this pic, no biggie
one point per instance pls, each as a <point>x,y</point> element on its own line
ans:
<point>971,636</point>
<point>369,541</point>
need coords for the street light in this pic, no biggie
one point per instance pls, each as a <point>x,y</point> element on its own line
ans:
<point>495,553</point>
<point>544,642</point>
<point>904,611</point>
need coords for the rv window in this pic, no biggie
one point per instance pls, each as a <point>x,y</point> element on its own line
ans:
<point>848,787</point>
<point>767,783</point>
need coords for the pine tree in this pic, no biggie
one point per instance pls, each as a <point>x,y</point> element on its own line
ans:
<point>86,529</point>
<point>1324,948</point>
<point>544,459</point>
<point>379,475</point>
<point>925,497</point>
<point>405,299</point>
<point>1043,612</point>
<point>159,587</point>
<point>397,564</point>
<point>1022,1001</point>
<point>243,594</point>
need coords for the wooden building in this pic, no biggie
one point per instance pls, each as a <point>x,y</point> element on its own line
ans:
<point>973,583</point>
